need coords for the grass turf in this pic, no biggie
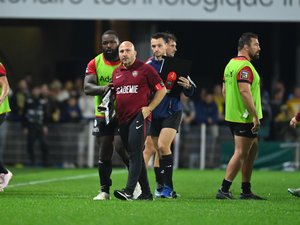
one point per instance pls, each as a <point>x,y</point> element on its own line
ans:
<point>57,196</point>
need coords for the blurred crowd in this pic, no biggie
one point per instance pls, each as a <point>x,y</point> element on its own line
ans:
<point>279,106</point>
<point>66,102</point>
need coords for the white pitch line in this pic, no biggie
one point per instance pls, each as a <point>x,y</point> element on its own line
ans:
<point>59,179</point>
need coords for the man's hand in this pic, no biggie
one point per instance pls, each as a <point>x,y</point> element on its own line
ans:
<point>293,122</point>
<point>146,111</point>
<point>256,125</point>
<point>184,82</point>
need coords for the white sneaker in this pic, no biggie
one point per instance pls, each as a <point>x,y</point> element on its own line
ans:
<point>137,191</point>
<point>102,196</point>
<point>4,179</point>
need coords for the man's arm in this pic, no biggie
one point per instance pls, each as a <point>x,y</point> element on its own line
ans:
<point>158,97</point>
<point>224,90</point>
<point>249,103</point>
<point>5,88</point>
<point>91,87</point>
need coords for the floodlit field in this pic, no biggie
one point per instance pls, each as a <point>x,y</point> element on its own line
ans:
<point>62,197</point>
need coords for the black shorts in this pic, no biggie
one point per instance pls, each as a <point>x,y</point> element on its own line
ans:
<point>242,129</point>
<point>100,128</point>
<point>173,121</point>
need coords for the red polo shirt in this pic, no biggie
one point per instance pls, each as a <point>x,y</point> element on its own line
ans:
<point>134,87</point>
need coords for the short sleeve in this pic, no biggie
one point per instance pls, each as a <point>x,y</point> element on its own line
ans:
<point>91,68</point>
<point>245,75</point>
<point>2,70</point>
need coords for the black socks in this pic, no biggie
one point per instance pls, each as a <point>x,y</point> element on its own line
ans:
<point>105,169</point>
<point>226,186</point>
<point>166,164</point>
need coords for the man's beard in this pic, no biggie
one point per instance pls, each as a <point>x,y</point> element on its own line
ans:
<point>111,55</point>
<point>254,56</point>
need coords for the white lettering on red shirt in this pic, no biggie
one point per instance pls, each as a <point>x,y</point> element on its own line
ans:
<point>128,89</point>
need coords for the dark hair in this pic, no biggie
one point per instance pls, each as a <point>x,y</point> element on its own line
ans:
<point>170,36</point>
<point>160,35</point>
<point>111,32</point>
<point>245,39</point>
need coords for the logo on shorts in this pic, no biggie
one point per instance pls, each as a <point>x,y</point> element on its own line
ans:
<point>95,123</point>
<point>138,127</point>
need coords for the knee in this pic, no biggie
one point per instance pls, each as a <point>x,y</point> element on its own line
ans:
<point>240,155</point>
<point>164,149</point>
<point>149,148</point>
<point>105,154</point>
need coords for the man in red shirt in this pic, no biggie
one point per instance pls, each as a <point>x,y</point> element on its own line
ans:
<point>97,79</point>
<point>5,174</point>
<point>134,82</point>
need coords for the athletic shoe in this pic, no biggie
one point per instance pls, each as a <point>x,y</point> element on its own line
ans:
<point>4,179</point>
<point>223,195</point>
<point>251,196</point>
<point>167,192</point>
<point>102,196</point>
<point>143,196</point>
<point>121,194</point>
<point>175,195</point>
<point>137,191</point>
<point>295,192</point>
<point>158,193</point>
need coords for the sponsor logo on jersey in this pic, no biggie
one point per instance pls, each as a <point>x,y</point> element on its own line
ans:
<point>135,73</point>
<point>105,79</point>
<point>128,89</point>
<point>244,75</point>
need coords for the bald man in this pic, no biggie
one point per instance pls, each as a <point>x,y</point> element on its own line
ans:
<point>134,83</point>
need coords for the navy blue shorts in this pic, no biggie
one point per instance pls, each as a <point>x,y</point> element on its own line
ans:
<point>173,121</point>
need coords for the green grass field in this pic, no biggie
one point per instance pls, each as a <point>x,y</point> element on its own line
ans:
<point>63,197</point>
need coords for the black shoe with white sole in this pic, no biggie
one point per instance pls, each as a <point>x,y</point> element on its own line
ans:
<point>121,194</point>
<point>223,195</point>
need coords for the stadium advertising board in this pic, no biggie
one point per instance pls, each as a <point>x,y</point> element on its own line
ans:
<point>197,10</point>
